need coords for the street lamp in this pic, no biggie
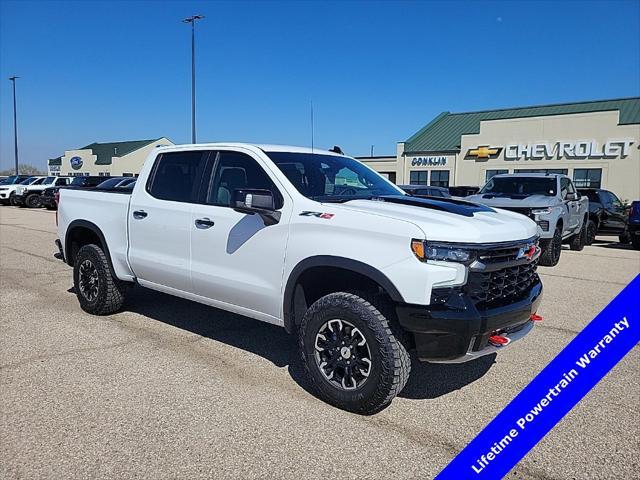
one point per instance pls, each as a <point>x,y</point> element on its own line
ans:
<point>15,122</point>
<point>192,21</point>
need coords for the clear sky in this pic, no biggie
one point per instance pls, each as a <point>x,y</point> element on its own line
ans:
<point>375,71</point>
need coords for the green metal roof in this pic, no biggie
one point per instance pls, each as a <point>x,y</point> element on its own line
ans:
<point>444,132</point>
<point>105,151</point>
<point>55,161</point>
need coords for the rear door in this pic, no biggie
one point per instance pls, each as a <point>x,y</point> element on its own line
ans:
<point>160,219</point>
<point>572,206</point>
<point>235,257</point>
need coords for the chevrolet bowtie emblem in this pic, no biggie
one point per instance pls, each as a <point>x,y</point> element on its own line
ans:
<point>484,152</point>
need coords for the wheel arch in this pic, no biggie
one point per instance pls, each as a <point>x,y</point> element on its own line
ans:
<point>84,232</point>
<point>320,264</point>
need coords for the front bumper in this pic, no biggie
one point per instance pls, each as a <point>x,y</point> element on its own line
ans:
<point>459,332</point>
<point>48,201</point>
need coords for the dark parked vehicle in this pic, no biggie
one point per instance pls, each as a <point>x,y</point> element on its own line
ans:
<point>607,215</point>
<point>633,224</point>
<point>463,191</point>
<point>116,182</point>
<point>48,197</point>
<point>426,191</point>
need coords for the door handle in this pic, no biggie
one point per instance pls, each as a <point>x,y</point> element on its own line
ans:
<point>139,214</point>
<point>204,223</point>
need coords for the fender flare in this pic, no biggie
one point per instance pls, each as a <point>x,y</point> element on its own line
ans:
<point>332,261</point>
<point>95,229</point>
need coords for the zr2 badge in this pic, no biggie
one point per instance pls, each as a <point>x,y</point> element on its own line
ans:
<point>326,216</point>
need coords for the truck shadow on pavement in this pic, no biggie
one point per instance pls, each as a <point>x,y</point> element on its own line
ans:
<point>427,381</point>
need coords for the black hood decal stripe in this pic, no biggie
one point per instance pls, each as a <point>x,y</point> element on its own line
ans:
<point>449,205</point>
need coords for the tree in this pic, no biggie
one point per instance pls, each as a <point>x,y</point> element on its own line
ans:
<point>23,169</point>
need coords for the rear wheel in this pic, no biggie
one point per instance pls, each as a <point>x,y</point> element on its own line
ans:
<point>97,290</point>
<point>351,355</point>
<point>592,229</point>
<point>625,238</point>
<point>579,240</point>
<point>551,251</point>
<point>33,201</point>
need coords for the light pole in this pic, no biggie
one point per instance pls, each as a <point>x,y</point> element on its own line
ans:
<point>192,21</point>
<point>15,122</point>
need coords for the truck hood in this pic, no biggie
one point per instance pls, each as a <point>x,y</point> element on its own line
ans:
<point>449,220</point>
<point>532,201</point>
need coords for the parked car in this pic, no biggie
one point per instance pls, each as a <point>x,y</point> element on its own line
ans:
<point>362,276</point>
<point>463,191</point>
<point>8,190</point>
<point>31,195</point>
<point>633,224</point>
<point>48,198</point>
<point>425,191</point>
<point>607,215</point>
<point>116,182</point>
<point>550,200</point>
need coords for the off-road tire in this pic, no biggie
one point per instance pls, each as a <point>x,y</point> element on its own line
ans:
<point>579,240</point>
<point>551,250</point>
<point>592,231</point>
<point>33,201</point>
<point>625,238</point>
<point>390,360</point>
<point>110,291</point>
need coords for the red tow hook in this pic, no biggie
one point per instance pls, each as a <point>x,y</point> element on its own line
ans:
<point>499,340</point>
<point>535,317</point>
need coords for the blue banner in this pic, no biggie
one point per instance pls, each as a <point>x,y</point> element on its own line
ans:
<point>553,392</point>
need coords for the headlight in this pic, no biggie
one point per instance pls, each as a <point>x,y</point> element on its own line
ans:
<point>433,251</point>
<point>541,211</point>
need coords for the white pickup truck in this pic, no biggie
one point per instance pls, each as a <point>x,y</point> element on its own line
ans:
<point>318,243</point>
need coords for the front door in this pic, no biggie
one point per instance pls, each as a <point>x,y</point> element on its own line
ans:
<point>235,257</point>
<point>160,219</point>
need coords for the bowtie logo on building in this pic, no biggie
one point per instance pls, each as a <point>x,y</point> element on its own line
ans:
<point>484,152</point>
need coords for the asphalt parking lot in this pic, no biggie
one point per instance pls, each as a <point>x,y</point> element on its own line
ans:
<point>173,389</point>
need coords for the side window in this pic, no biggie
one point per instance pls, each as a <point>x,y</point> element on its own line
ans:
<point>177,176</point>
<point>613,200</point>
<point>235,170</point>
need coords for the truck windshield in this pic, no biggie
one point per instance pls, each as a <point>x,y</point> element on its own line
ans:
<point>48,180</point>
<point>520,186</point>
<point>78,181</point>
<point>28,181</point>
<point>331,178</point>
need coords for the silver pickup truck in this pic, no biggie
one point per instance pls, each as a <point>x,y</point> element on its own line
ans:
<point>551,200</point>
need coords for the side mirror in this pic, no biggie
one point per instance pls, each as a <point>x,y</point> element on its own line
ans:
<point>255,201</point>
<point>572,196</point>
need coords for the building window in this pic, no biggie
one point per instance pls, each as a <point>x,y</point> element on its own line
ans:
<point>561,171</point>
<point>493,173</point>
<point>440,178</point>
<point>391,176</point>
<point>587,177</point>
<point>418,177</point>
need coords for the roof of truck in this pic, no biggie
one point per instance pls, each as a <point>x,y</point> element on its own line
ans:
<point>532,174</point>
<point>261,146</point>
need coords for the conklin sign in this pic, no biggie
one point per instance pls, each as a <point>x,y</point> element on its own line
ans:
<point>582,149</point>
<point>428,161</point>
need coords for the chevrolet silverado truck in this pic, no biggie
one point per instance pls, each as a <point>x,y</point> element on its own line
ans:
<point>550,200</point>
<point>315,242</point>
<point>607,215</point>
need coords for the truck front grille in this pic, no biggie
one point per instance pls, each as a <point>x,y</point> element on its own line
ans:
<point>523,211</point>
<point>501,287</point>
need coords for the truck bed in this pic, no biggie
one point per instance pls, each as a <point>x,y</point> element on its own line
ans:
<point>106,209</point>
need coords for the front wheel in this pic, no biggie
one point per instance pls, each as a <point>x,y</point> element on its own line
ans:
<point>97,290</point>
<point>33,201</point>
<point>551,251</point>
<point>351,355</point>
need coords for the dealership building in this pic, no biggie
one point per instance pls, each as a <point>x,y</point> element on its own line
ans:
<point>595,143</point>
<point>105,159</point>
